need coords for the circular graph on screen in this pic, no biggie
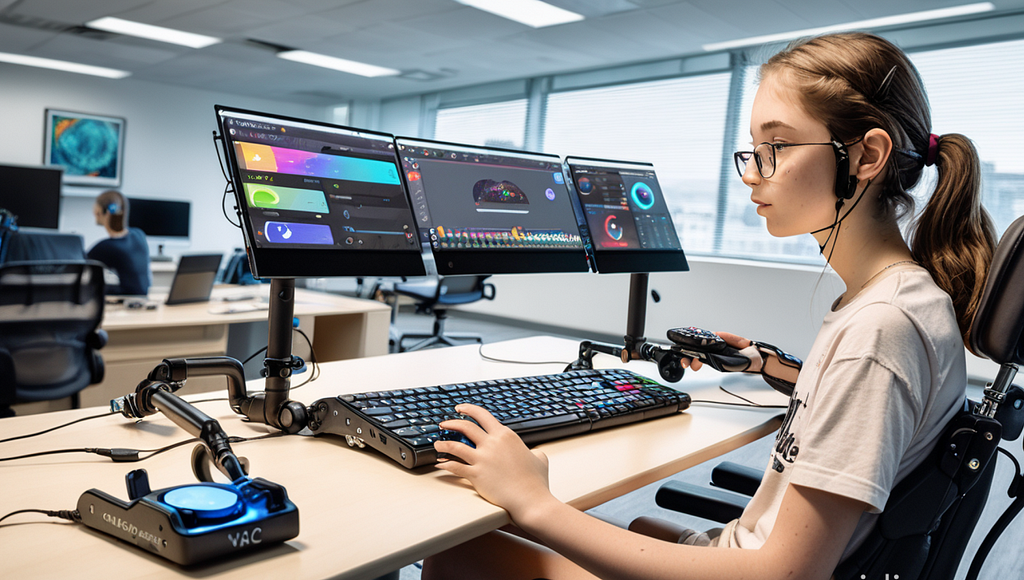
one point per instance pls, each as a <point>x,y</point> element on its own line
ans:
<point>642,195</point>
<point>612,228</point>
<point>585,185</point>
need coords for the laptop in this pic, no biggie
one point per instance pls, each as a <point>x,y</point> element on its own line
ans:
<point>194,278</point>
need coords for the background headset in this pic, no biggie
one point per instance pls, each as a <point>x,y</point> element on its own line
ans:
<point>113,208</point>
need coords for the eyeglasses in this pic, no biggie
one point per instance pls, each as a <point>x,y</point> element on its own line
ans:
<point>764,156</point>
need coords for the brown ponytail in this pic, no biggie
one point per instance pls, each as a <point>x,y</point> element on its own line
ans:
<point>855,82</point>
<point>116,205</point>
<point>954,236</point>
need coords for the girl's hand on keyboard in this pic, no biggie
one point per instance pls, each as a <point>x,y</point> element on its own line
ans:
<point>501,468</point>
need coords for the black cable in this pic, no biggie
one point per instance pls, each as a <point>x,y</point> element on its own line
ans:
<point>518,362</point>
<point>747,402</point>
<point>228,186</point>
<point>70,515</point>
<point>121,455</point>
<point>254,355</point>
<point>224,197</point>
<point>57,427</point>
<point>314,372</point>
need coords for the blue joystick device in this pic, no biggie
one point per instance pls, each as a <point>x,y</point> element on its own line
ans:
<point>193,523</point>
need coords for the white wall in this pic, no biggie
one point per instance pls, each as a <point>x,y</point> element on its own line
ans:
<point>169,151</point>
<point>769,302</point>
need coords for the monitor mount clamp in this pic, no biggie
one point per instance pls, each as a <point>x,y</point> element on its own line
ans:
<point>635,345</point>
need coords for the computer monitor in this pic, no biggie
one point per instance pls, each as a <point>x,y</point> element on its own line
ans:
<point>491,211</point>
<point>32,194</point>
<point>318,200</point>
<point>165,222</point>
<point>629,223</point>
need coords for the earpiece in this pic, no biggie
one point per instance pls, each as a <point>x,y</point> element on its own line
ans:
<point>846,184</point>
<point>113,209</point>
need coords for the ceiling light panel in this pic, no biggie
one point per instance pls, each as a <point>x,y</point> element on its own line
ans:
<point>529,12</point>
<point>63,65</point>
<point>150,32</point>
<point>339,64</point>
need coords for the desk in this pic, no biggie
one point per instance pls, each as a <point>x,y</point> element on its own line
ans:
<point>361,514</point>
<point>340,327</point>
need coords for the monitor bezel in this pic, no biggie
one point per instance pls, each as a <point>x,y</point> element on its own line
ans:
<point>305,263</point>
<point>626,261</point>
<point>133,203</point>
<point>51,171</point>
<point>497,261</point>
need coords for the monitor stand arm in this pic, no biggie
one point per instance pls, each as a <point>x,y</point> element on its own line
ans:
<point>272,406</point>
<point>635,345</point>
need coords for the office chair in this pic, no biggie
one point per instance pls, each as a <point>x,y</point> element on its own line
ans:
<point>50,312</point>
<point>21,246</point>
<point>434,297</point>
<point>928,519</point>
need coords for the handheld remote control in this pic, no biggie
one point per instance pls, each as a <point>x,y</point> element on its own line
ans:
<point>709,348</point>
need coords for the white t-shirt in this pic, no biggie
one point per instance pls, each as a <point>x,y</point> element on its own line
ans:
<point>884,376</point>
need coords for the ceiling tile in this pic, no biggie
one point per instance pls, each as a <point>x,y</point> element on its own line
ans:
<point>127,54</point>
<point>21,39</point>
<point>369,12</point>
<point>75,12</point>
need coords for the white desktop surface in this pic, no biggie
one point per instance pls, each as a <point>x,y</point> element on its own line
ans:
<point>361,514</point>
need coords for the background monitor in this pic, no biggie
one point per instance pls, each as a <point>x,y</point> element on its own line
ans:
<point>629,224</point>
<point>318,200</point>
<point>163,221</point>
<point>32,194</point>
<point>491,211</point>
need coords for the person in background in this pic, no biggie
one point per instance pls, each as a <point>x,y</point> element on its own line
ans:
<point>125,251</point>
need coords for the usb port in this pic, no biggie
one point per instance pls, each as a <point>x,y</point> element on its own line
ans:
<point>383,439</point>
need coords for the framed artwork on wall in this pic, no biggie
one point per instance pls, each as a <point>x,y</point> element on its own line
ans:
<point>90,148</point>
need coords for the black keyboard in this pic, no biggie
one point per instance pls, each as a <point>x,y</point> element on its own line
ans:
<point>403,424</point>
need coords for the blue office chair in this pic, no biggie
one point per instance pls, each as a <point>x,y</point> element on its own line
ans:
<point>21,246</point>
<point>50,312</point>
<point>435,296</point>
<point>930,515</point>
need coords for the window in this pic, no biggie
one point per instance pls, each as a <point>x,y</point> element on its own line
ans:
<point>976,91</point>
<point>677,124</point>
<point>501,124</point>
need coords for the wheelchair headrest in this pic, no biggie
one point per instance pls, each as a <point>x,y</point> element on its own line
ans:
<point>999,323</point>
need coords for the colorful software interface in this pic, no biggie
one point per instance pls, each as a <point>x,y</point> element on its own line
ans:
<point>624,206</point>
<point>478,198</point>
<point>318,186</point>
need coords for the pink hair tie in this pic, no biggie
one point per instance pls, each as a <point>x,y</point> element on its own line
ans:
<point>933,149</point>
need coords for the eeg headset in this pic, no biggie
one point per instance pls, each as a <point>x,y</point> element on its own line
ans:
<point>846,184</point>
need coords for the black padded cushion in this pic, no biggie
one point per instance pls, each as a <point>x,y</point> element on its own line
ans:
<point>999,324</point>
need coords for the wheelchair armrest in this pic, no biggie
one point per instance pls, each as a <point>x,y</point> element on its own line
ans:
<point>736,477</point>
<point>704,502</point>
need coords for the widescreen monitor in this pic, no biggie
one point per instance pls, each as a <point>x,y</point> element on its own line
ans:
<point>491,211</point>
<point>32,194</point>
<point>629,223</point>
<point>160,218</point>
<point>317,199</point>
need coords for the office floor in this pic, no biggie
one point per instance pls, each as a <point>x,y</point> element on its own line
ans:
<point>1005,561</point>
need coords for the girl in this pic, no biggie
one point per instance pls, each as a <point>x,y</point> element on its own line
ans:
<point>840,128</point>
<point>125,250</point>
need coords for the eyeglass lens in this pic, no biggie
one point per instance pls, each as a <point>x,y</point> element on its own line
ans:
<point>764,157</point>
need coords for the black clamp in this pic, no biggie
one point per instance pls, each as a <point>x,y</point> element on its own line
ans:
<point>281,367</point>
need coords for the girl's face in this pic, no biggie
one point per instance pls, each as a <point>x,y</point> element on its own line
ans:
<point>800,196</point>
<point>97,212</point>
